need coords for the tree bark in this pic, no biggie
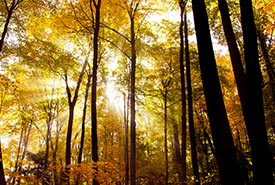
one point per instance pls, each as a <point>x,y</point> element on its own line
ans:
<point>10,10</point>
<point>94,85</point>
<point>2,174</point>
<point>79,159</point>
<point>132,12</point>
<point>81,148</point>
<point>261,155</point>
<point>270,73</point>
<point>126,149</point>
<point>183,96</point>
<point>165,96</point>
<point>190,107</point>
<point>7,22</point>
<point>177,148</point>
<point>71,103</point>
<point>228,164</point>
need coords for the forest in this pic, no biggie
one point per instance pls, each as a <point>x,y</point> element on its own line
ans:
<point>137,92</point>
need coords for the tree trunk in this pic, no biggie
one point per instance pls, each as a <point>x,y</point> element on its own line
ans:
<point>165,96</point>
<point>190,108</point>
<point>261,155</point>
<point>132,12</point>
<point>54,152</point>
<point>7,22</point>
<point>126,150</point>
<point>183,96</point>
<point>177,148</point>
<point>2,174</point>
<point>71,103</point>
<point>270,73</point>
<point>94,85</point>
<point>79,157</point>
<point>228,164</point>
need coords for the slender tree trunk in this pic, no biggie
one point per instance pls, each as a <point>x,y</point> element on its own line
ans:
<point>228,164</point>
<point>22,147</point>
<point>71,103</point>
<point>190,108</point>
<point>2,174</point>
<point>165,96</point>
<point>205,152</point>
<point>79,157</point>
<point>48,137</point>
<point>270,73</point>
<point>69,134</point>
<point>183,96</point>
<point>261,155</point>
<point>126,152</point>
<point>94,85</point>
<point>269,66</point>
<point>16,166</point>
<point>243,160</point>
<point>177,148</point>
<point>54,152</point>
<point>5,30</point>
<point>209,142</point>
<point>10,10</point>
<point>132,96</point>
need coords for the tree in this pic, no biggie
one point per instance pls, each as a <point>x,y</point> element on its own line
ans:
<point>229,168</point>
<point>83,128</point>
<point>261,155</point>
<point>72,102</point>
<point>190,107</point>
<point>132,12</point>
<point>244,90</point>
<point>183,94</point>
<point>165,85</point>
<point>96,28</point>
<point>10,7</point>
<point>2,174</point>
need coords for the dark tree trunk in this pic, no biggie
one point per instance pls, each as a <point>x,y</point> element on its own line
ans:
<point>54,152</point>
<point>49,109</point>
<point>177,148</point>
<point>208,142</point>
<point>7,22</point>
<point>228,164</point>
<point>22,148</point>
<point>183,96</point>
<point>165,97</point>
<point>270,73</point>
<point>234,54</point>
<point>79,159</point>
<point>48,137</point>
<point>10,10</point>
<point>190,108</point>
<point>126,150</point>
<point>262,159</point>
<point>94,84</point>
<point>2,174</point>
<point>81,148</point>
<point>69,134</point>
<point>132,12</point>
<point>71,103</point>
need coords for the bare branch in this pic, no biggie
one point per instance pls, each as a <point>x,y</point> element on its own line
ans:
<point>114,30</point>
<point>116,46</point>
